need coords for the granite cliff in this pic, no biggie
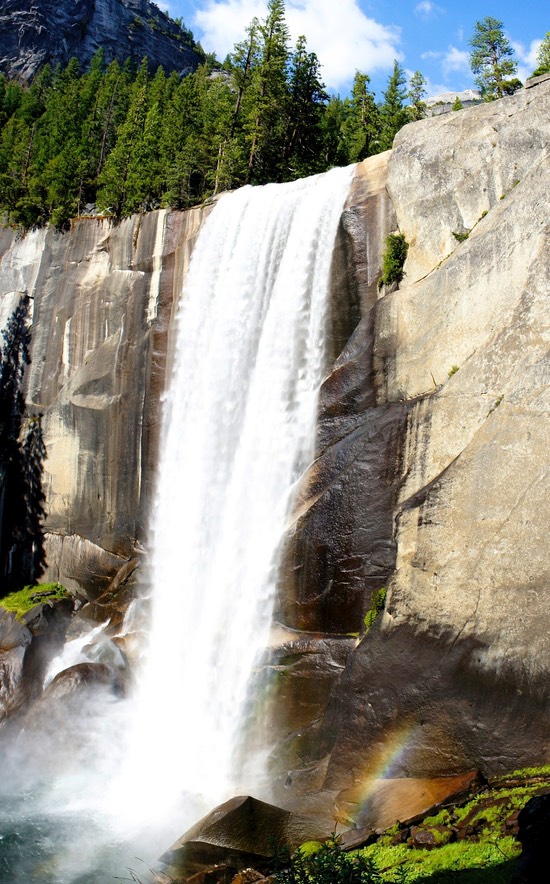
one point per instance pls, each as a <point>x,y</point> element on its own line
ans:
<point>47,32</point>
<point>431,478</point>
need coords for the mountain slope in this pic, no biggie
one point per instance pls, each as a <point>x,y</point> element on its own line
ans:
<point>47,31</point>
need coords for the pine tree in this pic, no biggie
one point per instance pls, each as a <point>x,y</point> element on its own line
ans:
<point>14,356</point>
<point>416,95</point>
<point>335,145</point>
<point>362,126</point>
<point>270,96</point>
<point>307,99</point>
<point>491,58</point>
<point>543,57</point>
<point>393,113</point>
<point>114,188</point>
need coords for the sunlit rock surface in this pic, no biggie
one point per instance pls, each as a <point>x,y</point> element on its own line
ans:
<point>103,301</point>
<point>54,31</point>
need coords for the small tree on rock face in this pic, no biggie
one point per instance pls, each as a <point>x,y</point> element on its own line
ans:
<point>543,57</point>
<point>417,94</point>
<point>491,58</point>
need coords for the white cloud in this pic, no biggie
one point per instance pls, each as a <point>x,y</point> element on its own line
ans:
<point>455,60</point>
<point>426,9</point>
<point>343,37</point>
<point>527,58</point>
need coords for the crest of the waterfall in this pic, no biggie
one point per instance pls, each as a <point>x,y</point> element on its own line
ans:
<point>238,431</point>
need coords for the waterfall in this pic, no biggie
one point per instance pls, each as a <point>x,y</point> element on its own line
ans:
<point>239,430</point>
<point>239,427</point>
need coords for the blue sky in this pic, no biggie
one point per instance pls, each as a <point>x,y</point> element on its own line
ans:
<point>358,34</point>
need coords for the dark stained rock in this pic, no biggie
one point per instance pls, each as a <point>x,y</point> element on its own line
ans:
<point>241,833</point>
<point>50,32</point>
<point>26,647</point>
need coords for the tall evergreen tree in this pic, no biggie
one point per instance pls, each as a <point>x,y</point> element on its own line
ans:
<point>14,356</point>
<point>306,104</point>
<point>114,188</point>
<point>491,58</point>
<point>270,96</point>
<point>416,95</point>
<point>335,142</point>
<point>363,124</point>
<point>393,114</point>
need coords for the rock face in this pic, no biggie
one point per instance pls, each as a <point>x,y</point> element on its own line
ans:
<point>103,301</point>
<point>431,475</point>
<point>50,32</point>
<point>26,647</point>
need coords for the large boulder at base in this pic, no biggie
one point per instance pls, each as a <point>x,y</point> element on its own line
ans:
<point>240,833</point>
<point>26,647</point>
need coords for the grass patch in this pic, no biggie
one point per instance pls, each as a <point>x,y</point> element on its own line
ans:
<point>22,601</point>
<point>461,862</point>
<point>460,237</point>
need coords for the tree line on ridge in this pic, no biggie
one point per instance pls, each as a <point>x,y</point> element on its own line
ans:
<point>124,140</point>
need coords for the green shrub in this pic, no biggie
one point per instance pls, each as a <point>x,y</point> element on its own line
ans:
<point>393,259</point>
<point>460,237</point>
<point>327,865</point>
<point>453,370</point>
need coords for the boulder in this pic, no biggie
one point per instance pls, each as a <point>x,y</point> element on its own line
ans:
<point>27,645</point>
<point>241,833</point>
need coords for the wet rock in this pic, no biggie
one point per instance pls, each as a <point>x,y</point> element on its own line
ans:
<point>248,876</point>
<point>378,803</point>
<point>241,833</point>
<point>26,647</point>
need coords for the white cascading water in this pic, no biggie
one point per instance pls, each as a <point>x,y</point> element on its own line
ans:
<point>239,430</point>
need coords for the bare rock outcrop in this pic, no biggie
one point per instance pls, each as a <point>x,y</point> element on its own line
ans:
<point>52,32</point>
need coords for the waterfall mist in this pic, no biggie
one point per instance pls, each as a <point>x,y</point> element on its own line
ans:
<point>239,428</point>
